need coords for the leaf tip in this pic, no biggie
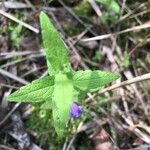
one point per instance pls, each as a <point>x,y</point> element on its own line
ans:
<point>10,98</point>
<point>117,75</point>
<point>42,13</point>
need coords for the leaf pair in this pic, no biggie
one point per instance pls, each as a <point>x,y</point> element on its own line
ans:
<point>63,86</point>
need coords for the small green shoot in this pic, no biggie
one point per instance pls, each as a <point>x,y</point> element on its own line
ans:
<point>113,11</point>
<point>63,86</point>
<point>126,61</point>
<point>15,35</point>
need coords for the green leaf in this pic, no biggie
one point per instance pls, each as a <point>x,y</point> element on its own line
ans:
<point>111,5</point>
<point>38,90</point>
<point>55,48</point>
<point>62,100</point>
<point>106,18</point>
<point>46,105</point>
<point>91,80</point>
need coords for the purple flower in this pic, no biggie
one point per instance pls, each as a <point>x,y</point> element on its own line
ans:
<point>76,110</point>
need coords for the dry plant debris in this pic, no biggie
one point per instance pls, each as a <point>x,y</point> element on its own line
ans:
<point>115,119</point>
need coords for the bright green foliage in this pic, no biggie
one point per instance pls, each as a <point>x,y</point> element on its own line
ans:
<point>46,105</point>
<point>59,90</point>
<point>55,48</point>
<point>38,90</point>
<point>63,97</point>
<point>91,80</point>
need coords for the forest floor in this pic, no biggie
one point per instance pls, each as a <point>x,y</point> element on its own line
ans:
<point>99,37</point>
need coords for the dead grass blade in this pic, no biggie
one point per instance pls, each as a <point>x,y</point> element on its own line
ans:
<point>18,21</point>
<point>105,36</point>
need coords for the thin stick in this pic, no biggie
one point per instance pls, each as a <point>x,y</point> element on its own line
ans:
<point>14,5</point>
<point>125,83</point>
<point>12,76</point>
<point>95,7</point>
<point>118,85</point>
<point>76,17</point>
<point>105,36</point>
<point>18,21</point>
<point>10,113</point>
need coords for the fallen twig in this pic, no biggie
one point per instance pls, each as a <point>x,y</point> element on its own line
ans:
<point>10,113</point>
<point>124,83</point>
<point>18,21</point>
<point>12,76</point>
<point>105,36</point>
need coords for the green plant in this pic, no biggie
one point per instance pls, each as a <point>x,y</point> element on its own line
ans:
<point>126,61</point>
<point>113,11</point>
<point>61,89</point>
<point>15,31</point>
<point>15,35</point>
<point>83,8</point>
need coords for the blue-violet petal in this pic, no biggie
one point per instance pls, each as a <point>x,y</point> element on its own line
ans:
<point>76,110</point>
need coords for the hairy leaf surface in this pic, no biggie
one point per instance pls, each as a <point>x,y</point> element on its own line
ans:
<point>91,80</point>
<point>38,90</point>
<point>62,100</point>
<point>55,48</point>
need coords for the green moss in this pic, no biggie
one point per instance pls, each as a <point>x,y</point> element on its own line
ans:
<point>15,35</point>
<point>83,8</point>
